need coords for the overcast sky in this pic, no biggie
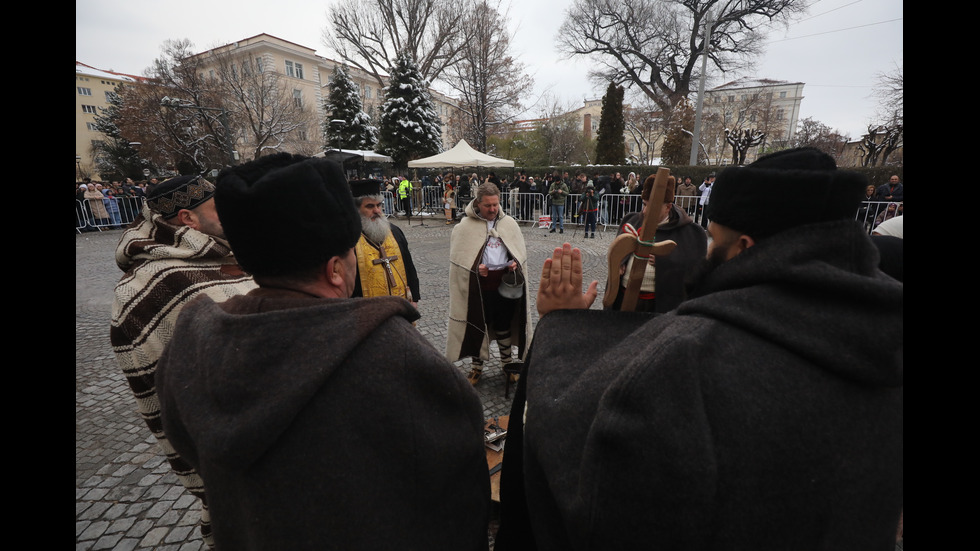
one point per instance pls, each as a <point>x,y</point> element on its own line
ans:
<point>837,50</point>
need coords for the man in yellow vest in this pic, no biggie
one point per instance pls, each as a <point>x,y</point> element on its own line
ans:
<point>384,263</point>
<point>405,196</point>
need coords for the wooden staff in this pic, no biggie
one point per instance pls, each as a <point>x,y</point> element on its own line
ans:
<point>640,247</point>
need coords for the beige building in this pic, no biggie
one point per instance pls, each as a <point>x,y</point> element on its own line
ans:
<point>310,75</point>
<point>306,74</point>
<point>767,105</point>
<point>92,87</point>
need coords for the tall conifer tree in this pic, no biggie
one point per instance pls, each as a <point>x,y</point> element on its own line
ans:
<point>344,104</point>
<point>410,127</point>
<point>610,140</point>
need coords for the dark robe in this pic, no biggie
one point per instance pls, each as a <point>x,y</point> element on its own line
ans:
<point>325,424</point>
<point>765,412</point>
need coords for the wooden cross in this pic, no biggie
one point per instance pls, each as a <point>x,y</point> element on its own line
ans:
<point>641,247</point>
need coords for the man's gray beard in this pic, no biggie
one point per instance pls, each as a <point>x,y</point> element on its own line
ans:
<point>376,230</point>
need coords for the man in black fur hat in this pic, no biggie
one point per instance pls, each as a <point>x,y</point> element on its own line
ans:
<point>384,263</point>
<point>765,412</point>
<point>317,421</point>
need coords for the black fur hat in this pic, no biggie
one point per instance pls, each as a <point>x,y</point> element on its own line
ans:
<point>782,190</point>
<point>286,213</point>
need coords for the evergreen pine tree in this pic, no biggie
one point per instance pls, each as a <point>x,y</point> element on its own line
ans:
<point>610,140</point>
<point>676,149</point>
<point>115,158</point>
<point>344,104</point>
<point>410,127</point>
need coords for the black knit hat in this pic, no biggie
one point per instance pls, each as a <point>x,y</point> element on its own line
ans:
<point>181,192</point>
<point>285,213</point>
<point>782,190</point>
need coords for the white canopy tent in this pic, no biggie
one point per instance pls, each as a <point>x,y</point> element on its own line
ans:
<point>344,155</point>
<point>460,156</point>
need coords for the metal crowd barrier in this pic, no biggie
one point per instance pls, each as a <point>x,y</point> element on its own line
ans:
<point>389,206</point>
<point>523,207</point>
<point>872,213</point>
<point>110,213</point>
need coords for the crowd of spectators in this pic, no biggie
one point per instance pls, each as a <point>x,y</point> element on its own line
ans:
<point>108,205</point>
<point>115,204</point>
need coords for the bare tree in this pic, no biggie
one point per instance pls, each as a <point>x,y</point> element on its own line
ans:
<point>655,45</point>
<point>813,133</point>
<point>741,141</point>
<point>645,128</point>
<point>370,34</point>
<point>890,91</point>
<point>189,132</point>
<point>885,138</point>
<point>879,143</point>
<point>266,112</point>
<point>562,139</point>
<point>489,81</point>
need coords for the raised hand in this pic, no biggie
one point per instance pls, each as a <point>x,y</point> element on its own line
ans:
<point>561,282</point>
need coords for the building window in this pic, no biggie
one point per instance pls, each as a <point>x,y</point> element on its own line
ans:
<point>782,94</point>
<point>88,109</point>
<point>84,91</point>
<point>298,98</point>
<point>294,69</point>
<point>731,99</point>
<point>779,114</point>
<point>367,92</point>
<point>90,126</point>
<point>258,64</point>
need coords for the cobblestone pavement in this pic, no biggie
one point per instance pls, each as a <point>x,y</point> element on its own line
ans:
<point>125,495</point>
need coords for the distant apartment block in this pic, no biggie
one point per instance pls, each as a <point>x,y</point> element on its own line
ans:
<point>307,74</point>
